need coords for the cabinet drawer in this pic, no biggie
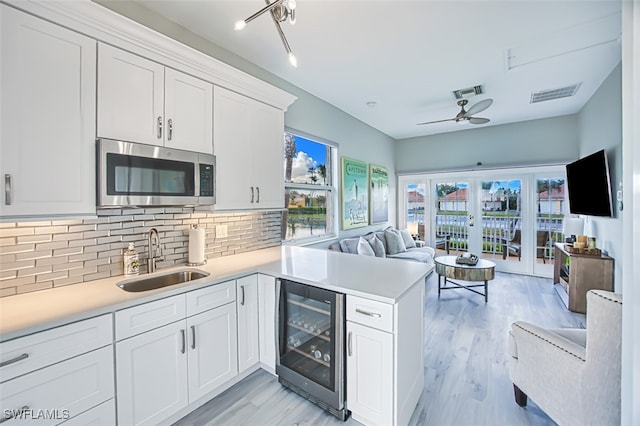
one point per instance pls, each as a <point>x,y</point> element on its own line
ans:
<point>148,316</point>
<point>62,390</point>
<point>370,313</point>
<point>25,354</point>
<point>102,415</point>
<point>210,297</point>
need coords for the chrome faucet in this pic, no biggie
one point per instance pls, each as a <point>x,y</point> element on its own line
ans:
<point>151,260</point>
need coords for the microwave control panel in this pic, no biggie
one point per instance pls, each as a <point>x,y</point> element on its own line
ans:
<point>206,180</point>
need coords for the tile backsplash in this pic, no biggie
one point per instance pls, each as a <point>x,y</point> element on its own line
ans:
<point>36,255</point>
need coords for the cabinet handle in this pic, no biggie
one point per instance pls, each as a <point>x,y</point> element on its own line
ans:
<point>159,127</point>
<point>369,314</point>
<point>7,189</point>
<point>349,351</point>
<point>193,337</point>
<point>170,131</point>
<point>184,341</point>
<point>242,291</point>
<point>252,193</point>
<point>10,414</point>
<point>12,360</point>
<point>258,190</point>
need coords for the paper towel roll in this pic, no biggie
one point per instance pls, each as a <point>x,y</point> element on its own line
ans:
<point>196,246</point>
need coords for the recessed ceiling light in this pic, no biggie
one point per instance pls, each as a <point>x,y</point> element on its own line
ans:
<point>372,104</point>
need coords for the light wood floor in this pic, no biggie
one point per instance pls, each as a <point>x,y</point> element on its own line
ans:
<point>466,364</point>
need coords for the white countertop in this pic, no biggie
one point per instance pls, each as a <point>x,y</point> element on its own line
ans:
<point>384,280</point>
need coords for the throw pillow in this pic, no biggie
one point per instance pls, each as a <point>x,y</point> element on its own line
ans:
<point>376,245</point>
<point>395,243</point>
<point>364,247</point>
<point>409,242</point>
<point>349,245</point>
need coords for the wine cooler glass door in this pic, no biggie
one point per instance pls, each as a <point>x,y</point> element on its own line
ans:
<point>307,341</point>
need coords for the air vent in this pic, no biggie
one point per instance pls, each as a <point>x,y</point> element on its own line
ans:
<point>548,95</point>
<point>468,92</point>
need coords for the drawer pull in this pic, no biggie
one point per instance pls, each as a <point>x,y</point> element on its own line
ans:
<point>10,414</point>
<point>13,360</point>
<point>369,314</point>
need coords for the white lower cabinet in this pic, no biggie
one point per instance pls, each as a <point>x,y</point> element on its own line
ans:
<point>102,415</point>
<point>161,371</point>
<point>60,391</point>
<point>385,358</point>
<point>369,374</point>
<point>248,333</point>
<point>267,314</point>
<point>212,352</point>
<point>151,375</point>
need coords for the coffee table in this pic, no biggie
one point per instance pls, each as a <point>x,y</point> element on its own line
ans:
<point>447,267</point>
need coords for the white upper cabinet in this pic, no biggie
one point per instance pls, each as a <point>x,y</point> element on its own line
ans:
<point>47,103</point>
<point>142,101</point>
<point>249,148</point>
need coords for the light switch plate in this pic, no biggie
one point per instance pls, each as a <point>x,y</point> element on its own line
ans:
<point>221,231</point>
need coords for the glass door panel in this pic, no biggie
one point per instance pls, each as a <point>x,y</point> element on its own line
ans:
<point>452,217</point>
<point>501,206</point>
<point>414,210</point>
<point>550,207</point>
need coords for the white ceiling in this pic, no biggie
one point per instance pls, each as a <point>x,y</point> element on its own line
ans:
<point>408,56</point>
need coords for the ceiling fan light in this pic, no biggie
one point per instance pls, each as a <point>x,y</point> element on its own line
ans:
<point>292,60</point>
<point>239,25</point>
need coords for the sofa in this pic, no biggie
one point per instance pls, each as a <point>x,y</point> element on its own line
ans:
<point>389,242</point>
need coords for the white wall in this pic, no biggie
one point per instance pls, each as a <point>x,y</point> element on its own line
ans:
<point>544,141</point>
<point>308,113</point>
<point>600,127</point>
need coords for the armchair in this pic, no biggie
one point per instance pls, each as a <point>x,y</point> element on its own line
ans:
<point>512,246</point>
<point>572,374</point>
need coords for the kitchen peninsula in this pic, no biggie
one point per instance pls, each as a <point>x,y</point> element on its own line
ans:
<point>394,286</point>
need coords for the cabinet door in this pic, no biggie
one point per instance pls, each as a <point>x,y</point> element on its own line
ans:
<point>47,111</point>
<point>213,349</point>
<point>369,374</point>
<point>248,334</point>
<point>151,375</point>
<point>267,145</point>
<point>234,153</point>
<point>130,97</point>
<point>188,112</point>
<point>267,305</point>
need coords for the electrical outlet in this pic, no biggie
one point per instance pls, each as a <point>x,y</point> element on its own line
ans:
<point>221,231</point>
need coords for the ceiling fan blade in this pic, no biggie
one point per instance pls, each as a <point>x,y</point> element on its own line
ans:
<point>478,120</point>
<point>479,107</point>
<point>437,121</point>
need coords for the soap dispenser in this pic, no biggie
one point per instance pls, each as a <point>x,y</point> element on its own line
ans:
<point>131,261</point>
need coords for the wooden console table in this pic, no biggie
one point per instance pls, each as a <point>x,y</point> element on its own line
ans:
<point>580,274</point>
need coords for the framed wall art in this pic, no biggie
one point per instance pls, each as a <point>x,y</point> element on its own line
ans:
<point>355,193</point>
<point>379,194</point>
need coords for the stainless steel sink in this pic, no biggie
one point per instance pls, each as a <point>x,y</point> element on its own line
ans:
<point>154,282</point>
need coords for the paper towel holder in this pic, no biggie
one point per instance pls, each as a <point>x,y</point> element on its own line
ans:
<point>204,262</point>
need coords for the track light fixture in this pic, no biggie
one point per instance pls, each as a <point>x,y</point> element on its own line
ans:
<point>281,10</point>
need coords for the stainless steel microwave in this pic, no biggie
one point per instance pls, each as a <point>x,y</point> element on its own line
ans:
<point>134,174</point>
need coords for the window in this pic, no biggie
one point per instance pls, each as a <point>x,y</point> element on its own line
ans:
<point>309,193</point>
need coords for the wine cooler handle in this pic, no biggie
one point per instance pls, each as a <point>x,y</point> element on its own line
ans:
<point>184,341</point>
<point>193,337</point>
<point>349,351</point>
<point>277,320</point>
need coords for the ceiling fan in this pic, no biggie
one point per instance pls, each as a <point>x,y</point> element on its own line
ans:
<point>464,115</point>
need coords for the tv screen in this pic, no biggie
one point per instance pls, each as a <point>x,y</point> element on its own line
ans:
<point>589,186</point>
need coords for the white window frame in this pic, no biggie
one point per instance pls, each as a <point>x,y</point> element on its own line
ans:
<point>332,198</point>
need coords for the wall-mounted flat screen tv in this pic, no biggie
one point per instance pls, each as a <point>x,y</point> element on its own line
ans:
<point>589,186</point>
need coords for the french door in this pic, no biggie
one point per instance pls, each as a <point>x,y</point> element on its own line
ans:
<point>511,217</point>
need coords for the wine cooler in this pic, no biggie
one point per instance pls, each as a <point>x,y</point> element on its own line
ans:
<point>311,350</point>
